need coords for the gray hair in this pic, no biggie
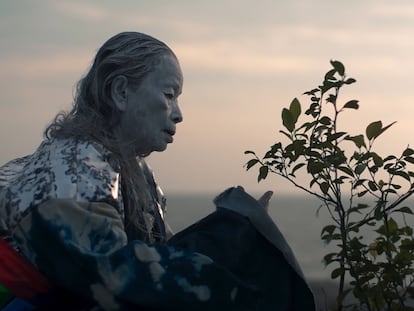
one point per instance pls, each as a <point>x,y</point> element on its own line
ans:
<point>93,114</point>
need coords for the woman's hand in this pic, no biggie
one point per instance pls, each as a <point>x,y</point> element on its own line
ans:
<point>265,199</point>
<point>238,199</point>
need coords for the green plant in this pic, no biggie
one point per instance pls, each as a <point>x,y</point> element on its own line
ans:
<point>375,245</point>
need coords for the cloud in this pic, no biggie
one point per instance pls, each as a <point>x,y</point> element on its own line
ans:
<point>45,66</point>
<point>394,11</point>
<point>82,10</point>
<point>234,57</point>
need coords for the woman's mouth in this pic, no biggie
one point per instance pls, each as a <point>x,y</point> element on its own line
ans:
<point>170,132</point>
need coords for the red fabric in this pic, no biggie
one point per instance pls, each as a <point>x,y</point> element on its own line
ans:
<point>18,275</point>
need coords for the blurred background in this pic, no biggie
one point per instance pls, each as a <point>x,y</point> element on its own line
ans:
<point>243,61</point>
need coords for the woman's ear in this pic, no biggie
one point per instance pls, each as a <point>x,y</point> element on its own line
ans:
<point>119,92</point>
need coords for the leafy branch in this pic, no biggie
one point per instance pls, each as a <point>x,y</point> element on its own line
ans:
<point>344,170</point>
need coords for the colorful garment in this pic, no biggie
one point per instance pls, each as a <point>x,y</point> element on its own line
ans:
<point>63,210</point>
<point>5,295</point>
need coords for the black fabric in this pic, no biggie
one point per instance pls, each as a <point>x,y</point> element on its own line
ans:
<point>232,241</point>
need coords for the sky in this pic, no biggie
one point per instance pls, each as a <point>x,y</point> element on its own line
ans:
<point>243,61</point>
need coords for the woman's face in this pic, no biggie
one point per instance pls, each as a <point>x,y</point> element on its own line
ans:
<point>148,122</point>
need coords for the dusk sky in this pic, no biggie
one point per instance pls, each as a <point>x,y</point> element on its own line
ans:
<point>243,61</point>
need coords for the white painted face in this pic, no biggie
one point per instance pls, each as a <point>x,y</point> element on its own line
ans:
<point>150,112</point>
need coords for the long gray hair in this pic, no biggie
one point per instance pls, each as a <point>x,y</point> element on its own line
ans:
<point>94,116</point>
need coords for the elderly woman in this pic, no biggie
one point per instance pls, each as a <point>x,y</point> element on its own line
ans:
<point>82,220</point>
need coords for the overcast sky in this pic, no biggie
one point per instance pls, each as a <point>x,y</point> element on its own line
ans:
<point>243,61</point>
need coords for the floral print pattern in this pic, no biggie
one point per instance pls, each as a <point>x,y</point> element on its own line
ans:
<point>62,208</point>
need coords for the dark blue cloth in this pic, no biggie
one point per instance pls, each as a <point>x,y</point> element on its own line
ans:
<point>17,304</point>
<point>231,240</point>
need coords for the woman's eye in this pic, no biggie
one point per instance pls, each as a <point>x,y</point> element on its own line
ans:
<point>169,95</point>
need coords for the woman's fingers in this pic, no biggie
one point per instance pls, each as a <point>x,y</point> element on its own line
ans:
<point>265,198</point>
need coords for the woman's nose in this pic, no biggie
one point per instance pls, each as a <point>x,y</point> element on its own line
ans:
<point>176,114</point>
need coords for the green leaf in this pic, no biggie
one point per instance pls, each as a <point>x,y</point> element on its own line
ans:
<point>408,152</point>
<point>337,272</point>
<point>392,225</point>
<point>358,140</point>
<point>331,98</point>
<point>324,187</point>
<point>390,191</point>
<point>330,75</point>
<point>311,92</point>
<point>360,168</point>
<point>313,154</point>
<point>298,146</point>
<point>350,81</point>
<point>357,209</point>
<point>286,134</point>
<point>389,158</point>
<point>338,66</point>
<point>373,129</point>
<point>387,127</point>
<point>402,174</point>
<point>372,185</point>
<point>405,210</point>
<point>346,170</point>
<point>249,152</point>
<point>352,104</point>
<point>373,169</point>
<point>315,167</point>
<point>377,159</point>
<point>325,120</point>
<point>329,258</point>
<point>263,171</point>
<point>359,182</point>
<point>288,120</point>
<point>362,193</point>
<point>328,229</point>
<point>409,159</point>
<point>295,109</point>
<point>298,166</point>
<point>335,136</point>
<point>395,186</point>
<point>378,215</point>
<point>251,163</point>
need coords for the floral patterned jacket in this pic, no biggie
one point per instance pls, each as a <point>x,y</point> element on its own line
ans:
<point>62,209</point>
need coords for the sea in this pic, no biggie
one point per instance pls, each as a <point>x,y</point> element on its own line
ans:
<point>298,217</point>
